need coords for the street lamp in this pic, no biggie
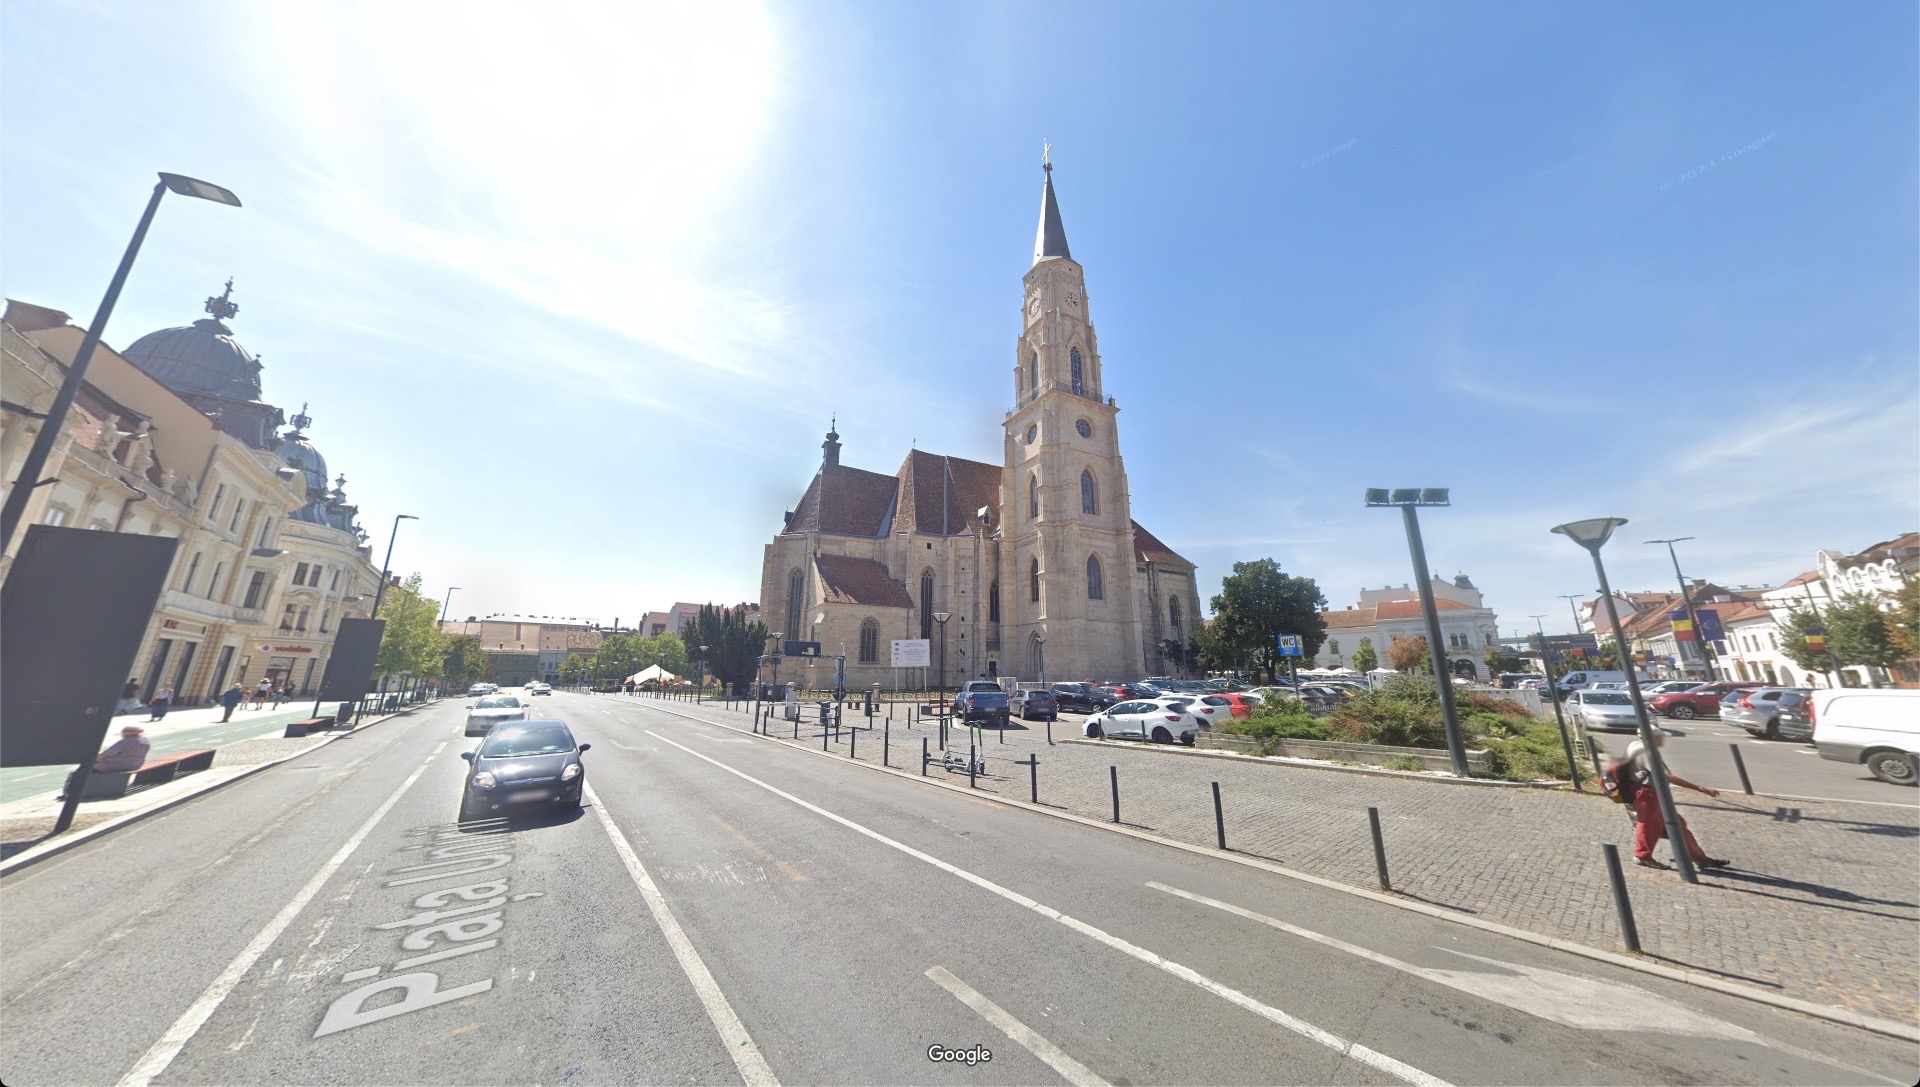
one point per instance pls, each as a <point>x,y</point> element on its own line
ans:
<point>699,692</point>
<point>1592,535</point>
<point>447,601</point>
<point>941,617</point>
<point>1409,499</point>
<point>29,478</point>
<point>388,562</point>
<point>1553,692</point>
<point>1041,637</point>
<point>1693,614</point>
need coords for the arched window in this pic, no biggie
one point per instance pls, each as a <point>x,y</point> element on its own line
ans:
<point>1095,590</point>
<point>1089,500</point>
<point>1173,614</point>
<point>1033,576</point>
<point>796,590</point>
<point>1033,497</point>
<point>1073,362</point>
<point>926,604</point>
<point>1037,653</point>
<point>993,602</point>
<point>1333,645</point>
<point>869,641</point>
<point>1033,372</point>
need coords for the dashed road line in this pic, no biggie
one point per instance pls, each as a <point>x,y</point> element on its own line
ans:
<point>1056,1058</point>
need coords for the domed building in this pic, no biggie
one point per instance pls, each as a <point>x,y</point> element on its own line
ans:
<point>204,365</point>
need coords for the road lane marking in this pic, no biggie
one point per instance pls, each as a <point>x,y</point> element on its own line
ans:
<point>739,1044</point>
<point>1070,1070</point>
<point>176,1038</point>
<point>1355,1050</point>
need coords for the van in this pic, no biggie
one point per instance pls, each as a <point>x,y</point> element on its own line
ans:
<point>1580,681</point>
<point>1875,727</point>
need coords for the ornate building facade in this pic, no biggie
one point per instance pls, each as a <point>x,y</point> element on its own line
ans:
<point>1036,562</point>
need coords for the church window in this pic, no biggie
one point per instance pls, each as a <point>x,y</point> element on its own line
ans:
<point>1095,590</point>
<point>795,599</point>
<point>1089,500</point>
<point>926,604</point>
<point>1033,497</point>
<point>1079,385</point>
<point>1033,372</point>
<point>1173,615</point>
<point>1033,576</point>
<point>1085,428</point>
<point>869,641</point>
<point>1033,431</point>
<point>993,603</point>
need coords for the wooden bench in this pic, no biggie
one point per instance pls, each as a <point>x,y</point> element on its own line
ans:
<point>102,785</point>
<point>301,728</point>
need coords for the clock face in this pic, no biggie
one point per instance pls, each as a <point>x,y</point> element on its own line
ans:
<point>1085,428</point>
<point>1033,432</point>
<point>1033,303</point>
<point>1073,299</point>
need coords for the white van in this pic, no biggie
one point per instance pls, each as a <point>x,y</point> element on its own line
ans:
<point>1875,727</point>
<point>1580,681</point>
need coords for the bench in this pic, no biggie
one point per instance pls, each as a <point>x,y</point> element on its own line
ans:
<point>102,785</point>
<point>301,728</point>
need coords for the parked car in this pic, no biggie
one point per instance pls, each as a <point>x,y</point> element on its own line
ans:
<point>1033,705</point>
<point>1511,681</point>
<point>494,709</point>
<point>1759,711</point>
<point>529,764</point>
<point>1081,698</point>
<point>1580,680</point>
<point>1703,700</point>
<point>981,685</point>
<point>1243,703</point>
<point>1122,692</point>
<point>1796,718</point>
<point>1875,727</point>
<point>981,704</point>
<point>477,690</point>
<point>1160,720</point>
<point>1600,711</point>
<point>1212,708</point>
<point>1670,686</point>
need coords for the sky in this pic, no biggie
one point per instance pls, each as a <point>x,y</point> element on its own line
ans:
<point>581,285</point>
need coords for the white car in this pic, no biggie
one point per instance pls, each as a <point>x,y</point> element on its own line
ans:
<point>1160,720</point>
<point>538,688</point>
<point>1670,686</point>
<point>1878,727</point>
<point>1603,710</point>
<point>492,710</point>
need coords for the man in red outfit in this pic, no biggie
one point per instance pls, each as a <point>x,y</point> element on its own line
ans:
<point>1649,825</point>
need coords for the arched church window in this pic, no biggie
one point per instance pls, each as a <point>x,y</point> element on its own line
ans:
<point>1033,372</point>
<point>1033,497</point>
<point>796,589</point>
<point>1073,361</point>
<point>1089,500</point>
<point>1173,615</point>
<point>926,604</point>
<point>869,641</point>
<point>993,603</point>
<point>1095,590</point>
<point>1033,576</point>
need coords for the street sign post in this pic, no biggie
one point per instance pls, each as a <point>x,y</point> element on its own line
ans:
<point>1290,647</point>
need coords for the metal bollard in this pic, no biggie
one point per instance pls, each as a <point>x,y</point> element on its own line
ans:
<point>1113,779</point>
<point>796,727</point>
<point>1049,732</point>
<point>1032,763</point>
<point>886,742</point>
<point>973,768</point>
<point>1621,904</point>
<point>1740,765</point>
<point>824,733</point>
<point>1003,734</point>
<point>1379,848</point>
<point>853,743</point>
<point>1219,819</point>
<point>923,756</point>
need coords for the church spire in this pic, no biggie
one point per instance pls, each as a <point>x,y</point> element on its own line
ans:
<point>1051,239</point>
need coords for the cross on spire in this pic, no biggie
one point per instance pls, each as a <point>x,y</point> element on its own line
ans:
<point>223,306</point>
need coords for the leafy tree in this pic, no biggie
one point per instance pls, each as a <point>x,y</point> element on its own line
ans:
<point>1906,614</point>
<point>1408,654</point>
<point>1499,659</point>
<point>734,643</point>
<point>617,658</point>
<point>577,667</point>
<point>1364,658</point>
<point>412,642</point>
<point>1208,650</point>
<point>465,662</point>
<point>666,651</point>
<point>1175,654</point>
<point>1258,602</point>
<point>1861,632</point>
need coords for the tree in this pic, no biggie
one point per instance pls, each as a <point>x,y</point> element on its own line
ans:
<point>465,663</point>
<point>412,642</point>
<point>665,651</point>
<point>1208,650</point>
<point>1862,633</point>
<point>1364,658</point>
<point>1906,615</point>
<point>1499,658</point>
<point>1175,654</point>
<point>1258,602</point>
<point>1793,642</point>
<point>1409,654</point>
<point>734,643</point>
<point>575,668</point>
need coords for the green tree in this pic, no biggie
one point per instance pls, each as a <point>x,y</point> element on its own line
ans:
<point>465,662</point>
<point>576,668</point>
<point>1175,654</point>
<point>665,651</point>
<point>734,643</point>
<point>1861,632</point>
<point>617,658</point>
<point>1499,658</point>
<point>1208,650</point>
<point>1258,602</point>
<point>1906,615</point>
<point>412,642</point>
<point>1793,642</point>
<point>1409,654</point>
<point>1364,658</point>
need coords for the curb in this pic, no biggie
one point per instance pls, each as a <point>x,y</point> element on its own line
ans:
<point>1315,764</point>
<point>1888,1027</point>
<point>41,852</point>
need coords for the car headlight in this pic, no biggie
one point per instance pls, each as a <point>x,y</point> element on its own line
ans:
<point>483,780</point>
<point>572,771</point>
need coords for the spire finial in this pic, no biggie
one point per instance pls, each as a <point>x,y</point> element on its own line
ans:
<point>1051,239</point>
<point>1046,155</point>
<point>301,421</point>
<point>223,306</point>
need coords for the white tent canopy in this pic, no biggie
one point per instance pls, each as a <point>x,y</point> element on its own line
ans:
<point>652,671</point>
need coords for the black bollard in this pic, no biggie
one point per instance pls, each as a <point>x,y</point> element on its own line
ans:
<point>973,768</point>
<point>1032,763</point>
<point>1049,732</point>
<point>923,756</point>
<point>1621,904</point>
<point>886,742</point>
<point>1219,819</point>
<point>1740,765</point>
<point>1379,848</point>
<point>853,743</point>
<point>824,733</point>
<point>1113,779</point>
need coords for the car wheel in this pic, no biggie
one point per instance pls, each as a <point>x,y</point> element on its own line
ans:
<point>1093,730</point>
<point>1683,712</point>
<point>1162,736</point>
<point>1186,738</point>
<point>1891,767</point>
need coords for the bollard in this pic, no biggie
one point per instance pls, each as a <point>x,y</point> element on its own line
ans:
<point>824,733</point>
<point>1113,779</point>
<point>1379,848</point>
<point>1032,763</point>
<point>796,727</point>
<point>1049,732</point>
<point>1003,734</point>
<point>1740,765</point>
<point>886,742</point>
<point>1219,819</point>
<point>973,768</point>
<point>1621,904</point>
<point>853,744</point>
<point>923,756</point>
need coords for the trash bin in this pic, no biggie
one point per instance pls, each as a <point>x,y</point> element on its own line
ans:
<point>344,714</point>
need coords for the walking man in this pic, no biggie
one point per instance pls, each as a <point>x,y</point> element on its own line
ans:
<point>230,701</point>
<point>162,699</point>
<point>261,692</point>
<point>1649,825</point>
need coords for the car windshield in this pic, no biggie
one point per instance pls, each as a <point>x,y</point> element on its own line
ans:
<point>527,741</point>
<point>498,702</point>
<point>1607,698</point>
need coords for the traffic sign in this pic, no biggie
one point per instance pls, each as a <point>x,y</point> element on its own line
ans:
<point>1289,645</point>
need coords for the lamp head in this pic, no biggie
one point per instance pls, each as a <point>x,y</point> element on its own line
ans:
<point>942,616</point>
<point>1591,534</point>
<point>204,190</point>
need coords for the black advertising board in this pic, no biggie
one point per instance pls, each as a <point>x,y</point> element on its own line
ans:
<point>356,645</point>
<point>74,608</point>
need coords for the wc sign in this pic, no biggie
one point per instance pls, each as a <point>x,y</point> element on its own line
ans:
<point>1289,645</point>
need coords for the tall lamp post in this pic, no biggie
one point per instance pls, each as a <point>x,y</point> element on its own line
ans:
<point>1410,499</point>
<point>941,617</point>
<point>387,563</point>
<point>699,692</point>
<point>1592,534</point>
<point>29,478</point>
<point>1042,636</point>
<point>444,603</point>
<point>1553,692</point>
<point>1693,614</point>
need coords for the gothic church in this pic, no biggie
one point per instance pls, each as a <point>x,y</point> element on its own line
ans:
<point>1036,563</point>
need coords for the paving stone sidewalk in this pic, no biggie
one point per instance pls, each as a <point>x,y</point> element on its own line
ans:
<point>1822,903</point>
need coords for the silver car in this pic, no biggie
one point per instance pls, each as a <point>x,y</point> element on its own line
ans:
<point>1603,710</point>
<point>492,710</point>
<point>1759,711</point>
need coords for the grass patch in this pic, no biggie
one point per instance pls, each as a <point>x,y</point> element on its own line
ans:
<point>1404,762</point>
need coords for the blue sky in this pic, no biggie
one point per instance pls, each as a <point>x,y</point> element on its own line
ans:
<point>582,288</point>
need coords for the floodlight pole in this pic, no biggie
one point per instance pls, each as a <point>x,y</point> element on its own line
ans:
<point>1442,677</point>
<point>1693,614</point>
<point>1553,692</point>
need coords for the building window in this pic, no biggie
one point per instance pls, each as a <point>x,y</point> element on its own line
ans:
<point>1033,496</point>
<point>213,510</point>
<point>213,583</point>
<point>305,612</point>
<point>1073,363</point>
<point>1173,615</point>
<point>1095,590</point>
<point>336,580</point>
<point>266,527</point>
<point>869,641</point>
<point>55,516</point>
<point>926,604</point>
<point>1333,645</point>
<point>325,618</point>
<point>193,566</point>
<point>1033,372</point>
<point>286,617</point>
<point>1089,500</point>
<point>993,602</point>
<point>795,588</point>
<point>300,574</point>
<point>256,589</point>
<point>239,507</point>
<point>1033,576</point>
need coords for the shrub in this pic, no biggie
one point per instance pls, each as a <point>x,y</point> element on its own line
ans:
<point>1295,724</point>
<point>1532,754</point>
<point>1404,762</point>
<point>1403,712</point>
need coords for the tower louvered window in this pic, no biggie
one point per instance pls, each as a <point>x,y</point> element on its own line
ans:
<point>1089,498</point>
<point>1079,383</point>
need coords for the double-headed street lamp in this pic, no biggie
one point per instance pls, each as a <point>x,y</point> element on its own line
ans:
<point>1409,499</point>
<point>387,563</point>
<point>941,617</point>
<point>1693,614</point>
<point>29,478</point>
<point>1592,535</point>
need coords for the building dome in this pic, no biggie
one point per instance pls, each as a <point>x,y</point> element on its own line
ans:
<point>201,358</point>
<point>325,505</point>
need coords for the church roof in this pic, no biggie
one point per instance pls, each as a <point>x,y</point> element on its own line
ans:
<point>1051,239</point>
<point>943,496</point>
<point>849,580</point>
<point>846,502</point>
<point>1148,548</point>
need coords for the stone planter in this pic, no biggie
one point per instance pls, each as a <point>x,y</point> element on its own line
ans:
<point>1369,754</point>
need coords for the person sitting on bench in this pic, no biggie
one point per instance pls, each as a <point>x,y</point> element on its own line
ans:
<point>126,754</point>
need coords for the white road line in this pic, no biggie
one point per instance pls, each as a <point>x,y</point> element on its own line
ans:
<point>733,1033</point>
<point>170,1044</point>
<point>1355,1050</point>
<point>1070,1070</point>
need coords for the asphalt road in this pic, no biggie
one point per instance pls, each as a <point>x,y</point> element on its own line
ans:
<point>729,909</point>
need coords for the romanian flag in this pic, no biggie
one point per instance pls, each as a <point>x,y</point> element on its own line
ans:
<point>1682,627</point>
<point>1817,639</point>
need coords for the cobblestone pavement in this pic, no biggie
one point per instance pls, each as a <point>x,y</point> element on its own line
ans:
<point>1822,904</point>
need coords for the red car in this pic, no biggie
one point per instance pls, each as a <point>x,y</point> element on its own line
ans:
<point>1699,702</point>
<point>1243,704</point>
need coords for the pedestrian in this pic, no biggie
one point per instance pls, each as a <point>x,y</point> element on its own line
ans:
<point>260,693</point>
<point>232,699</point>
<point>1649,824</point>
<point>280,691</point>
<point>127,753</point>
<point>162,699</point>
<point>129,697</point>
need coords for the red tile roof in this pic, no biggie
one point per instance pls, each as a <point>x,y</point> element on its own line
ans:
<point>942,496</point>
<point>1148,548</point>
<point>1351,617</point>
<point>846,502</point>
<point>860,581</point>
<point>1410,609</point>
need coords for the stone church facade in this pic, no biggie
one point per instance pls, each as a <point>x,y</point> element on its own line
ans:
<point>1036,562</point>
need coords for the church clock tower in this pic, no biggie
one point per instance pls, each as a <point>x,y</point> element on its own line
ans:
<point>1070,603</point>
